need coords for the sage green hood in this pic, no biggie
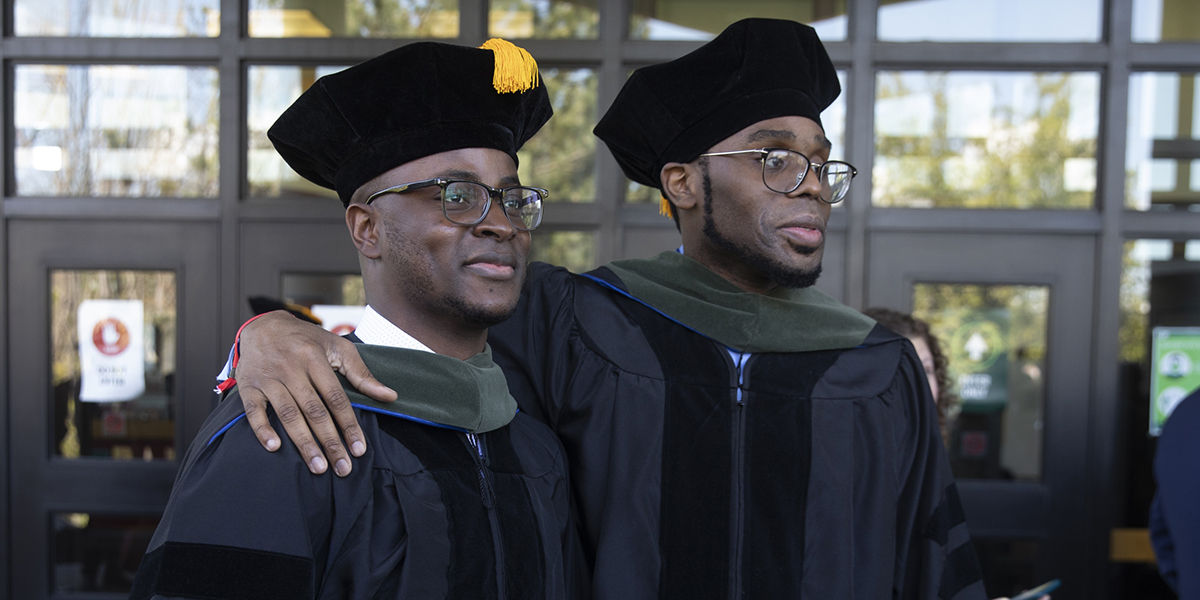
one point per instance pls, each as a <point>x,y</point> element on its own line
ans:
<point>471,394</point>
<point>783,320</point>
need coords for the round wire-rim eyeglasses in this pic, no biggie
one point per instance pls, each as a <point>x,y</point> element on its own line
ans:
<point>523,209</point>
<point>833,189</point>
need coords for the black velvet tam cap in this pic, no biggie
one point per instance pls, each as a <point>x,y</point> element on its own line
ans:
<point>757,69</point>
<point>415,101</point>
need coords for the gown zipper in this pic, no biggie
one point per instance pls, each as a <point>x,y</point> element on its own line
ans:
<point>488,493</point>
<point>737,540</point>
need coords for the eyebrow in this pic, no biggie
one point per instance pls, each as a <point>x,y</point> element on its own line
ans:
<point>473,176</point>
<point>787,136</point>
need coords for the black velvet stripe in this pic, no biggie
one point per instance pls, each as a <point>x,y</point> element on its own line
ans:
<point>695,506</point>
<point>947,516</point>
<point>962,569</point>
<point>472,555</point>
<point>524,568</point>
<point>449,461</point>
<point>214,572</point>
<point>778,462</point>
<point>695,503</point>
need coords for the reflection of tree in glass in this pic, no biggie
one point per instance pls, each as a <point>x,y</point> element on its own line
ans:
<point>402,18</point>
<point>1019,163</point>
<point>575,250</point>
<point>122,130</point>
<point>562,156</point>
<point>544,19</point>
<point>1134,306</point>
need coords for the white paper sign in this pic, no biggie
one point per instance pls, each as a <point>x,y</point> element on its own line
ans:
<point>111,350</point>
<point>338,318</point>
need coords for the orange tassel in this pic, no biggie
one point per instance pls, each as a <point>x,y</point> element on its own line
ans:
<point>665,208</point>
<point>515,71</point>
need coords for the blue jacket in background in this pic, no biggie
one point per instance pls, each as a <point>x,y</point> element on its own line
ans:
<point>1175,513</point>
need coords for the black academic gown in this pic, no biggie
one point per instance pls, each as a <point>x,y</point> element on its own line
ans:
<point>421,515</point>
<point>825,479</point>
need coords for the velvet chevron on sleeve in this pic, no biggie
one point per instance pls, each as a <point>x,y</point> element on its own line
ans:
<point>703,472</point>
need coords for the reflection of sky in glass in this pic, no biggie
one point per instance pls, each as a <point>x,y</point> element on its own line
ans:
<point>1155,114</point>
<point>829,30</point>
<point>702,20</point>
<point>117,18</point>
<point>1147,20</point>
<point>991,20</point>
<point>975,101</point>
<point>834,120</point>
<point>271,90</point>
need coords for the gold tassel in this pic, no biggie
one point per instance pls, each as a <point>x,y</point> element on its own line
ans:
<point>665,208</point>
<point>516,71</point>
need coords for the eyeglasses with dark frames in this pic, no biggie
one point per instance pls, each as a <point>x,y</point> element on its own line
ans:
<point>467,202</point>
<point>783,171</point>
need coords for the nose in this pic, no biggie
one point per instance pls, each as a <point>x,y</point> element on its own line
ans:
<point>495,223</point>
<point>809,186</point>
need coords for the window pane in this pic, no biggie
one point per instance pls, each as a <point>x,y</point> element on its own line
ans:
<point>336,301</point>
<point>994,337</point>
<point>307,289</point>
<point>98,552</point>
<point>116,130</point>
<point>704,19</point>
<point>575,250</point>
<point>985,140</point>
<point>117,18</point>
<point>562,156</point>
<point>517,19</point>
<point>271,89</point>
<point>113,341</point>
<point>1162,156</point>
<point>990,20</point>
<point>1166,20</point>
<point>833,119</point>
<point>353,18</point>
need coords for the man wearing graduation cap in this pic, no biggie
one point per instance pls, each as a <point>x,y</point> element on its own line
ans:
<point>731,431</point>
<point>457,495</point>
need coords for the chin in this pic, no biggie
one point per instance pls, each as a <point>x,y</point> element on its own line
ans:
<point>480,315</point>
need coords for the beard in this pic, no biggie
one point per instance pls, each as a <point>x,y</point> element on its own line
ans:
<point>781,274</point>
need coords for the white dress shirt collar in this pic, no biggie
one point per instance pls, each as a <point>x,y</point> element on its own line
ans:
<point>374,329</point>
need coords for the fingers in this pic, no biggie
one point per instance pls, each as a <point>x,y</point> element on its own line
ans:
<point>255,405</point>
<point>292,415</point>
<point>344,357</point>
<point>284,361</point>
<point>330,388</point>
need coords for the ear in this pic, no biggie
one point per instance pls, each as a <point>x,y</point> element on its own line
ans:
<point>680,186</point>
<point>365,227</point>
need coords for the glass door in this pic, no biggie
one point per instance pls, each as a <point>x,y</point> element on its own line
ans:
<point>113,344</point>
<point>1013,317</point>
